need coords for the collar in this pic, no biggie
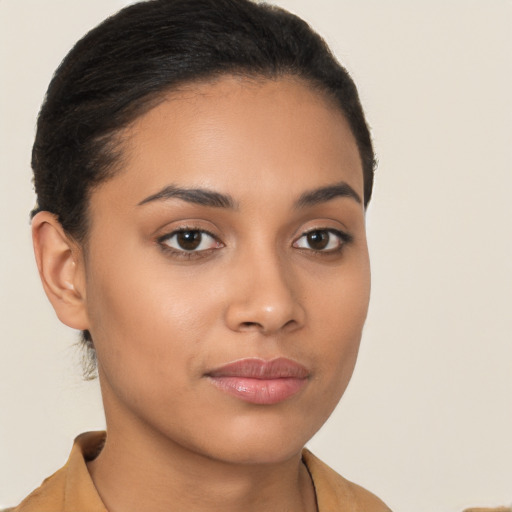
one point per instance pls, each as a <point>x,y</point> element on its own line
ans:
<point>72,489</point>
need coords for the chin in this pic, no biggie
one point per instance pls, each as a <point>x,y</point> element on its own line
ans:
<point>264,438</point>
<point>258,453</point>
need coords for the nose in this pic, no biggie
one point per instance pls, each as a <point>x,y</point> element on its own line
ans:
<point>264,298</point>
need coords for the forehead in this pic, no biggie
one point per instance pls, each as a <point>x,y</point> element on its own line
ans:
<point>248,138</point>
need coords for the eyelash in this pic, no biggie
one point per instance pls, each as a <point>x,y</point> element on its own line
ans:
<point>183,253</point>
<point>343,237</point>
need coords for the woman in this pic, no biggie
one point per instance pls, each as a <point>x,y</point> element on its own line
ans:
<point>202,169</point>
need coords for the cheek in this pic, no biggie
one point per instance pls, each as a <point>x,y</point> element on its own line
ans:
<point>147,324</point>
<point>341,312</point>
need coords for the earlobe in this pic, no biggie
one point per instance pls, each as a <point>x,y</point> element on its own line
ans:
<point>61,269</point>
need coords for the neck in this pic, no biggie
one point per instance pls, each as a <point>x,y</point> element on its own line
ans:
<point>140,470</point>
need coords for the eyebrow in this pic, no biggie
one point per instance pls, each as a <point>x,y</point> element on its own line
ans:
<point>199,196</point>
<point>324,194</point>
<point>214,199</point>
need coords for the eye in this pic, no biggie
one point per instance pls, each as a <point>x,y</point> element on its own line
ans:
<point>323,240</point>
<point>189,240</point>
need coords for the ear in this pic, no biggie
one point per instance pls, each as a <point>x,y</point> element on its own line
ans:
<point>61,268</point>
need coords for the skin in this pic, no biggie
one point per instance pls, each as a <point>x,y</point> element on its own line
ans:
<point>161,318</point>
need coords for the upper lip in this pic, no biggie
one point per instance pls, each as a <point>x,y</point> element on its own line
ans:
<point>254,368</point>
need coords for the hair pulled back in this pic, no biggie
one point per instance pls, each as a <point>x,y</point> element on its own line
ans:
<point>122,67</point>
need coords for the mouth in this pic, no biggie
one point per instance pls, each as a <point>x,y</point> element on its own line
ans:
<point>260,382</point>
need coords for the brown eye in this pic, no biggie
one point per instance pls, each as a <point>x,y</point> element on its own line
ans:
<point>190,240</point>
<point>318,240</point>
<point>323,240</point>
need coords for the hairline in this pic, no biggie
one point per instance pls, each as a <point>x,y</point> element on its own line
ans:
<point>118,139</point>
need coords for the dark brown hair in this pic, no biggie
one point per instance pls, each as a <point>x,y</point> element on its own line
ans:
<point>118,70</point>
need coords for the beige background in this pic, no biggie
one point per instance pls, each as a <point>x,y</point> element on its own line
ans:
<point>427,420</point>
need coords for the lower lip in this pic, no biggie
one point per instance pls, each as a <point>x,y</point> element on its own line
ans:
<point>260,391</point>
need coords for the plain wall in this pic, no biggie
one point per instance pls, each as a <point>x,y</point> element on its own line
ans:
<point>427,421</point>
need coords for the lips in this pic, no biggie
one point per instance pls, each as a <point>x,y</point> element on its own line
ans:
<point>260,382</point>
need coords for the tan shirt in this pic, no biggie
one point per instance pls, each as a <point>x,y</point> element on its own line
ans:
<point>71,489</point>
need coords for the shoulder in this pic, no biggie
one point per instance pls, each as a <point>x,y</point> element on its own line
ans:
<point>46,497</point>
<point>71,487</point>
<point>337,494</point>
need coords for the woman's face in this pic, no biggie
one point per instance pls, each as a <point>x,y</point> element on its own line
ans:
<point>227,274</point>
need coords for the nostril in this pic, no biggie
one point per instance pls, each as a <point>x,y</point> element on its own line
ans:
<point>290,323</point>
<point>266,312</point>
<point>250,325</point>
